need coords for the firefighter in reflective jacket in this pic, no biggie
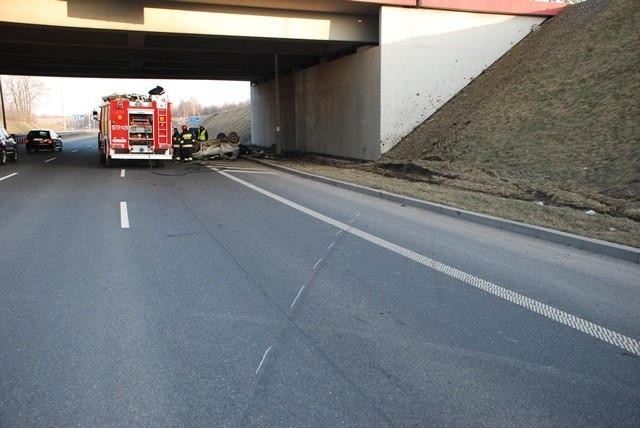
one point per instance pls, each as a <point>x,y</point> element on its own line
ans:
<point>187,144</point>
<point>176,139</point>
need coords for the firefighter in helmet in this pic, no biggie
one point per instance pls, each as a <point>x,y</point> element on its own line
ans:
<point>177,140</point>
<point>186,138</point>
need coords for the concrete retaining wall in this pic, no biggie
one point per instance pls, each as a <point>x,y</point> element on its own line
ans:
<point>333,108</point>
<point>427,56</point>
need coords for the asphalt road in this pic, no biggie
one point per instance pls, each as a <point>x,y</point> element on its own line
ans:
<point>231,294</point>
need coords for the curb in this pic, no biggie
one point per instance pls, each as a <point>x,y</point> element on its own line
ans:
<point>597,246</point>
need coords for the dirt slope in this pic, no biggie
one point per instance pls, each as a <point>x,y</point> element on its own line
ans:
<point>556,119</point>
<point>235,120</point>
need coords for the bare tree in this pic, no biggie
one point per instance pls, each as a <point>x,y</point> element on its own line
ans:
<point>191,107</point>
<point>23,93</point>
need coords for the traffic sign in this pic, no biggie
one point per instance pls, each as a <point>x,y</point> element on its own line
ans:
<point>77,116</point>
<point>194,119</point>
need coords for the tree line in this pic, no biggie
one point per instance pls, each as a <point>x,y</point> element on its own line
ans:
<point>192,107</point>
<point>22,96</point>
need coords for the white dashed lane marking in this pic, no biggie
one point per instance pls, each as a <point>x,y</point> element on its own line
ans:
<point>263,358</point>
<point>8,176</point>
<point>621,341</point>
<point>124,216</point>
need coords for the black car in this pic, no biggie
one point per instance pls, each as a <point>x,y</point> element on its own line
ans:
<point>43,139</point>
<point>8,147</point>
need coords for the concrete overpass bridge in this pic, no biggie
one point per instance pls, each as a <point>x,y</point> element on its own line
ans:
<point>346,78</point>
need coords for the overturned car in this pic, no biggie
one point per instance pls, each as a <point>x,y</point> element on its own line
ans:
<point>222,147</point>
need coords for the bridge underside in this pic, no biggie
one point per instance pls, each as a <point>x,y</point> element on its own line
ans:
<point>73,52</point>
<point>200,39</point>
<point>217,40</point>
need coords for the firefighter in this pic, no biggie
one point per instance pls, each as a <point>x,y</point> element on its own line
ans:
<point>177,148</point>
<point>187,144</point>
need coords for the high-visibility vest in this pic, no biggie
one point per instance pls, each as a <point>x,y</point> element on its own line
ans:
<point>202,135</point>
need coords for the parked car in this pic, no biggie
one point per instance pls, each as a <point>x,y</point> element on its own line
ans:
<point>43,139</point>
<point>8,147</point>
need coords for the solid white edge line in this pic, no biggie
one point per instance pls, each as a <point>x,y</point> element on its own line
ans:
<point>8,176</point>
<point>124,216</point>
<point>609,336</point>
<point>122,172</point>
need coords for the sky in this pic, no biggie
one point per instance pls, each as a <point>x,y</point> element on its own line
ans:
<point>75,96</point>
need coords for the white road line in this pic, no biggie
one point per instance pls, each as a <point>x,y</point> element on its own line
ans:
<point>8,176</point>
<point>299,293</point>
<point>122,172</point>
<point>124,216</point>
<point>90,145</point>
<point>49,160</point>
<point>73,151</point>
<point>316,265</point>
<point>624,342</point>
<point>263,358</point>
<point>332,244</point>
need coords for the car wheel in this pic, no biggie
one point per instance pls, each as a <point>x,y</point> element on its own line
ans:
<point>3,157</point>
<point>14,158</point>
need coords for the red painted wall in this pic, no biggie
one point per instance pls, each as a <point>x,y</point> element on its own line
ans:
<point>509,7</point>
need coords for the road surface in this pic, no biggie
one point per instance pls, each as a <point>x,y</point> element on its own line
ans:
<point>231,294</point>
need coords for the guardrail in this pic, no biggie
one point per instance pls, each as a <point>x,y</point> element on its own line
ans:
<point>19,138</point>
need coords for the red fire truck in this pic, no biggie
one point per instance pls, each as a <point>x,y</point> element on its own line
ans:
<point>134,126</point>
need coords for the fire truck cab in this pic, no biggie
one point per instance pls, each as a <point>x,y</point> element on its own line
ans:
<point>134,126</point>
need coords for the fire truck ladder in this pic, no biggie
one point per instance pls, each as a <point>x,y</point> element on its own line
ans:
<point>163,130</point>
